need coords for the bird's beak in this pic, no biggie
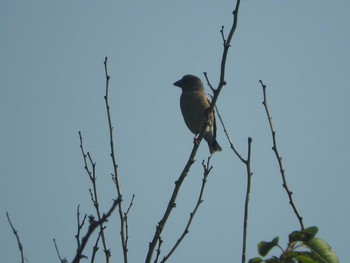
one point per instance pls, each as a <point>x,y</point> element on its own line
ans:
<point>178,83</point>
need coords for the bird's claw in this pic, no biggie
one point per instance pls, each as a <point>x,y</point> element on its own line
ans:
<point>195,140</point>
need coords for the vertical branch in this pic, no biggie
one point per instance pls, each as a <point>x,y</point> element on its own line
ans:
<point>95,248</point>
<point>93,193</point>
<point>249,175</point>
<point>80,226</point>
<point>227,45</point>
<point>279,159</point>
<point>115,165</point>
<point>160,242</point>
<point>246,204</point>
<point>15,232</point>
<point>126,220</point>
<point>115,170</point>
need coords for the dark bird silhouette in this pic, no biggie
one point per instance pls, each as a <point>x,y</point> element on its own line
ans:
<point>194,105</point>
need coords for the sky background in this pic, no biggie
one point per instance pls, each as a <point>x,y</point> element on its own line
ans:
<point>52,86</point>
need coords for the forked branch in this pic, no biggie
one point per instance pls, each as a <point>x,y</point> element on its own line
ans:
<point>206,168</point>
<point>246,162</point>
<point>191,159</point>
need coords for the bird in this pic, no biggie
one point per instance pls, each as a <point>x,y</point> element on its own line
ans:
<point>194,104</point>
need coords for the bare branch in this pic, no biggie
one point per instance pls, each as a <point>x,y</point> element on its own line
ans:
<point>80,226</point>
<point>93,193</point>
<point>171,204</point>
<point>93,224</point>
<point>279,158</point>
<point>130,205</point>
<point>95,248</point>
<point>160,242</point>
<point>222,34</point>
<point>126,220</point>
<point>246,203</point>
<point>207,168</point>
<point>15,232</point>
<point>86,167</point>
<point>123,235</point>
<point>191,158</point>
<point>208,82</point>
<point>63,260</point>
<point>228,136</point>
<point>249,175</point>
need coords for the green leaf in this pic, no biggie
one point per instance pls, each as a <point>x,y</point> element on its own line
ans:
<point>312,230</point>
<point>305,259</point>
<point>264,247</point>
<point>323,251</point>
<point>304,235</point>
<point>255,260</point>
<point>289,256</point>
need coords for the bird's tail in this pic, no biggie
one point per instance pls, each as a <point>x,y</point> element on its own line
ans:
<point>214,147</point>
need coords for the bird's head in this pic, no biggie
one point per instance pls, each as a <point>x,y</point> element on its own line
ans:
<point>189,83</point>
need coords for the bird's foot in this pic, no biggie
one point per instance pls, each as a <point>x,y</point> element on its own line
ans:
<point>195,140</point>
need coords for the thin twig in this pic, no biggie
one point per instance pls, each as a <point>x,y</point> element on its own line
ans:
<point>228,136</point>
<point>115,169</point>
<point>279,158</point>
<point>93,224</point>
<point>222,34</point>
<point>63,260</point>
<point>207,168</point>
<point>249,175</point>
<point>126,220</point>
<point>95,248</point>
<point>93,193</point>
<point>246,203</point>
<point>80,226</point>
<point>160,242</point>
<point>208,82</point>
<point>15,232</point>
<point>86,167</point>
<point>226,44</point>
<point>172,202</point>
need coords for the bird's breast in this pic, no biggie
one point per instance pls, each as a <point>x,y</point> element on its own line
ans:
<point>193,106</point>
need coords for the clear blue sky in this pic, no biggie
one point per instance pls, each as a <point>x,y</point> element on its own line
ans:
<point>52,86</point>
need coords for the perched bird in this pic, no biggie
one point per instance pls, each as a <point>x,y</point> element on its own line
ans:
<point>194,104</point>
